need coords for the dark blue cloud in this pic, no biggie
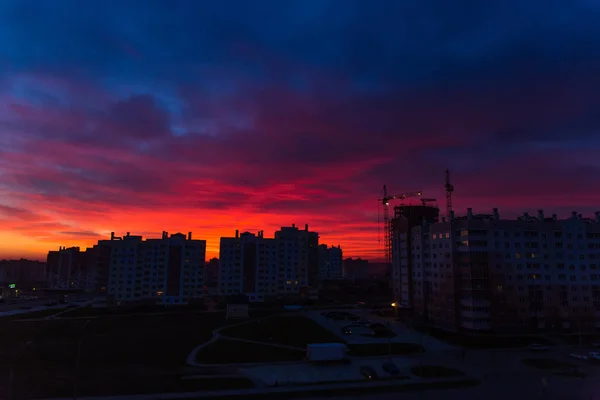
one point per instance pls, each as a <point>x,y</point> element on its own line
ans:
<point>397,42</point>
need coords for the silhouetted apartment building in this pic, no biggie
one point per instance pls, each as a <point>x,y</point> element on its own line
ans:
<point>96,266</point>
<point>263,268</point>
<point>22,272</point>
<point>299,259</point>
<point>211,276</point>
<point>406,217</point>
<point>330,262</point>
<point>355,268</point>
<point>169,270</point>
<point>248,265</point>
<point>64,268</point>
<point>483,273</point>
<point>71,268</point>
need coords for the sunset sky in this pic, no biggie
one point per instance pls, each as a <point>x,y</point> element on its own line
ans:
<point>211,116</point>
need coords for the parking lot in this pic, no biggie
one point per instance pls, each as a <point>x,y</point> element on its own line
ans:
<point>363,335</point>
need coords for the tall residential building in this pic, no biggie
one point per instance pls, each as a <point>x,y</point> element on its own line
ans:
<point>330,262</point>
<point>482,273</point>
<point>405,218</point>
<point>248,265</point>
<point>23,273</point>
<point>211,273</point>
<point>169,270</point>
<point>96,267</point>
<point>299,258</point>
<point>263,268</point>
<point>63,267</point>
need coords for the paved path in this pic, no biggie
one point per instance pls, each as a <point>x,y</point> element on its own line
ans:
<point>245,393</point>
<point>492,389</point>
<point>191,358</point>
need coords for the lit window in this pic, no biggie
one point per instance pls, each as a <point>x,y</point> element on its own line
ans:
<point>518,255</point>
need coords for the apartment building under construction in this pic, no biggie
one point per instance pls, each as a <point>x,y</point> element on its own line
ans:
<point>481,273</point>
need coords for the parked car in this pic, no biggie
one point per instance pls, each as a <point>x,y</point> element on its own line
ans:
<point>391,368</point>
<point>537,347</point>
<point>368,372</point>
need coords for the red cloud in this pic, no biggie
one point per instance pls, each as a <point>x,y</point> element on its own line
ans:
<point>276,156</point>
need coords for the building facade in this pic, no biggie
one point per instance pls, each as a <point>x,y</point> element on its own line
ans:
<point>355,268</point>
<point>480,273</point>
<point>23,272</point>
<point>299,259</point>
<point>248,264</point>
<point>405,219</point>
<point>64,268</point>
<point>330,262</point>
<point>169,270</point>
<point>211,276</point>
<point>268,268</point>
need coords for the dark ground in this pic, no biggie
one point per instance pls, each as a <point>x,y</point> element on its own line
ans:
<point>230,352</point>
<point>383,349</point>
<point>484,341</point>
<point>297,331</point>
<point>147,352</point>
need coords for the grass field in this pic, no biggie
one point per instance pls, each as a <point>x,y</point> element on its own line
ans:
<point>146,351</point>
<point>297,331</point>
<point>117,347</point>
<point>89,311</point>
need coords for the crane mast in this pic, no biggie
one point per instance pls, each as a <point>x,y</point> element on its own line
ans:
<point>449,189</point>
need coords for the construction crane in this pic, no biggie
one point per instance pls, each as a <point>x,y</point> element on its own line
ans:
<point>449,189</point>
<point>425,201</point>
<point>385,201</point>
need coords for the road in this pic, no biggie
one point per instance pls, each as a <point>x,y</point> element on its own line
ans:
<point>495,389</point>
<point>505,377</point>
